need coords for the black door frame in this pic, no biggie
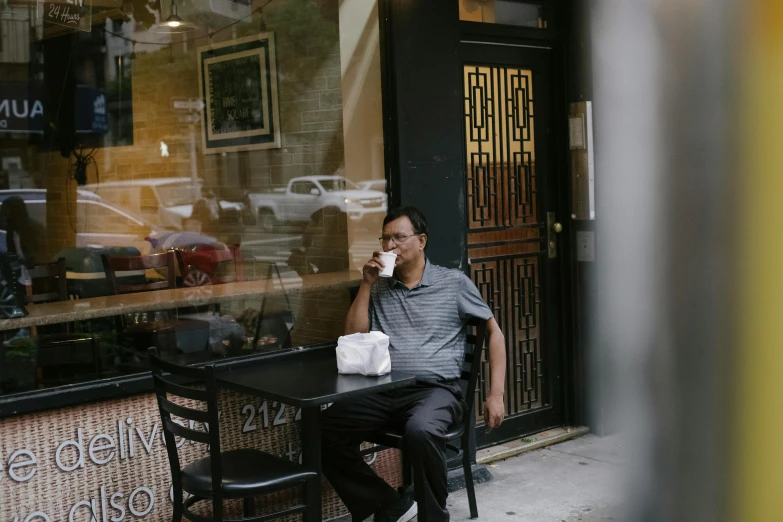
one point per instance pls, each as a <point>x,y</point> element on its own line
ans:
<point>558,39</point>
<point>434,27</point>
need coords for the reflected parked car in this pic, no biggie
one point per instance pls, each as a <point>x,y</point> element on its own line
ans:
<point>307,197</point>
<point>166,201</point>
<point>37,194</point>
<point>373,184</point>
<point>97,224</point>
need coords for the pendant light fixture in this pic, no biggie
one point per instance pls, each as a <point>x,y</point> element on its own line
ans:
<point>174,23</point>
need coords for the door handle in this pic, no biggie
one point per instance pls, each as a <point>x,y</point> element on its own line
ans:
<point>553,228</point>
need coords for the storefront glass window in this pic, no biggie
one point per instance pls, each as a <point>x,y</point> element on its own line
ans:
<point>245,135</point>
<point>506,12</point>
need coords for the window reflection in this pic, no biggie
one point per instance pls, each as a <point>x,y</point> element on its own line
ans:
<point>307,198</point>
<point>506,12</point>
<point>337,184</point>
<point>113,158</point>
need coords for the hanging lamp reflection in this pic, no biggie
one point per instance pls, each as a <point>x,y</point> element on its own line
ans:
<point>174,23</point>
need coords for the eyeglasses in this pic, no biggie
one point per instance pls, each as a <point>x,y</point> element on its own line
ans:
<point>386,240</point>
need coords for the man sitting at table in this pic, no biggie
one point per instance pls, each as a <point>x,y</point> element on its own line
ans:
<point>423,308</point>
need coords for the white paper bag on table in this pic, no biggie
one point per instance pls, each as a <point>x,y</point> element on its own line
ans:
<point>364,353</point>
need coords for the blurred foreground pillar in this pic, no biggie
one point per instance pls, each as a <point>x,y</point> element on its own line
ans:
<point>664,73</point>
<point>757,448</point>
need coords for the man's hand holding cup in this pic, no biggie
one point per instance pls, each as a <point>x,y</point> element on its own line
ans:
<point>381,265</point>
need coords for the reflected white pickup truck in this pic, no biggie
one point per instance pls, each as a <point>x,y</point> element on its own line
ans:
<point>307,196</point>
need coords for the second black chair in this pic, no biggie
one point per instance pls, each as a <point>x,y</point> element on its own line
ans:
<point>223,475</point>
<point>462,430</point>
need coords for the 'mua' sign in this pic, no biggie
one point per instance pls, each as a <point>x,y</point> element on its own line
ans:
<point>21,109</point>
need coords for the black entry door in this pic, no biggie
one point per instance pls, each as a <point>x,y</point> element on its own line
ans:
<point>511,220</point>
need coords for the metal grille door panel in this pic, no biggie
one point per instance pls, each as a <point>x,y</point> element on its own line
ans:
<point>506,219</point>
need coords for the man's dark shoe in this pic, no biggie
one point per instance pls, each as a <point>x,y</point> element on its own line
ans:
<point>401,510</point>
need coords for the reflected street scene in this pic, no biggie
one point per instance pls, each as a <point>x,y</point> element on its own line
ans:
<point>235,159</point>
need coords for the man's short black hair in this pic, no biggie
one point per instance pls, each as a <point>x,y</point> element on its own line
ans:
<point>418,220</point>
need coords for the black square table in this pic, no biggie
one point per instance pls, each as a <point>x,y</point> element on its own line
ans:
<point>308,381</point>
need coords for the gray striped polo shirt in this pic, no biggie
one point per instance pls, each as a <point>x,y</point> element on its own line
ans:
<point>426,324</point>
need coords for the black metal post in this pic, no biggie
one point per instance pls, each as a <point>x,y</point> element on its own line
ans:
<point>311,459</point>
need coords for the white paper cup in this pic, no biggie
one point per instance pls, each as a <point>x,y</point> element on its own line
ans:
<point>388,259</point>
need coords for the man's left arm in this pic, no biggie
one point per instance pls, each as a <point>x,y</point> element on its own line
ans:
<point>471,304</point>
<point>494,409</point>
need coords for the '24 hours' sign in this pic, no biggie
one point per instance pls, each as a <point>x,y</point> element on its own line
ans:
<point>67,13</point>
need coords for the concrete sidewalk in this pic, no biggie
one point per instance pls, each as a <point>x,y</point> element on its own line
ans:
<point>576,480</point>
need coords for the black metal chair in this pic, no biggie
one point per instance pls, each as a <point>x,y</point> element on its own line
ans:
<point>461,430</point>
<point>63,357</point>
<point>174,335</point>
<point>235,474</point>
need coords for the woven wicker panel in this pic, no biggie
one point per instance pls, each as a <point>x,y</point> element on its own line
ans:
<point>54,492</point>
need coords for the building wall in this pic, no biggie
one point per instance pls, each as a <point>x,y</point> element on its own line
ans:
<point>38,447</point>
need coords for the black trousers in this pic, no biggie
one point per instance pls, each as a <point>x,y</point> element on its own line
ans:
<point>425,411</point>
